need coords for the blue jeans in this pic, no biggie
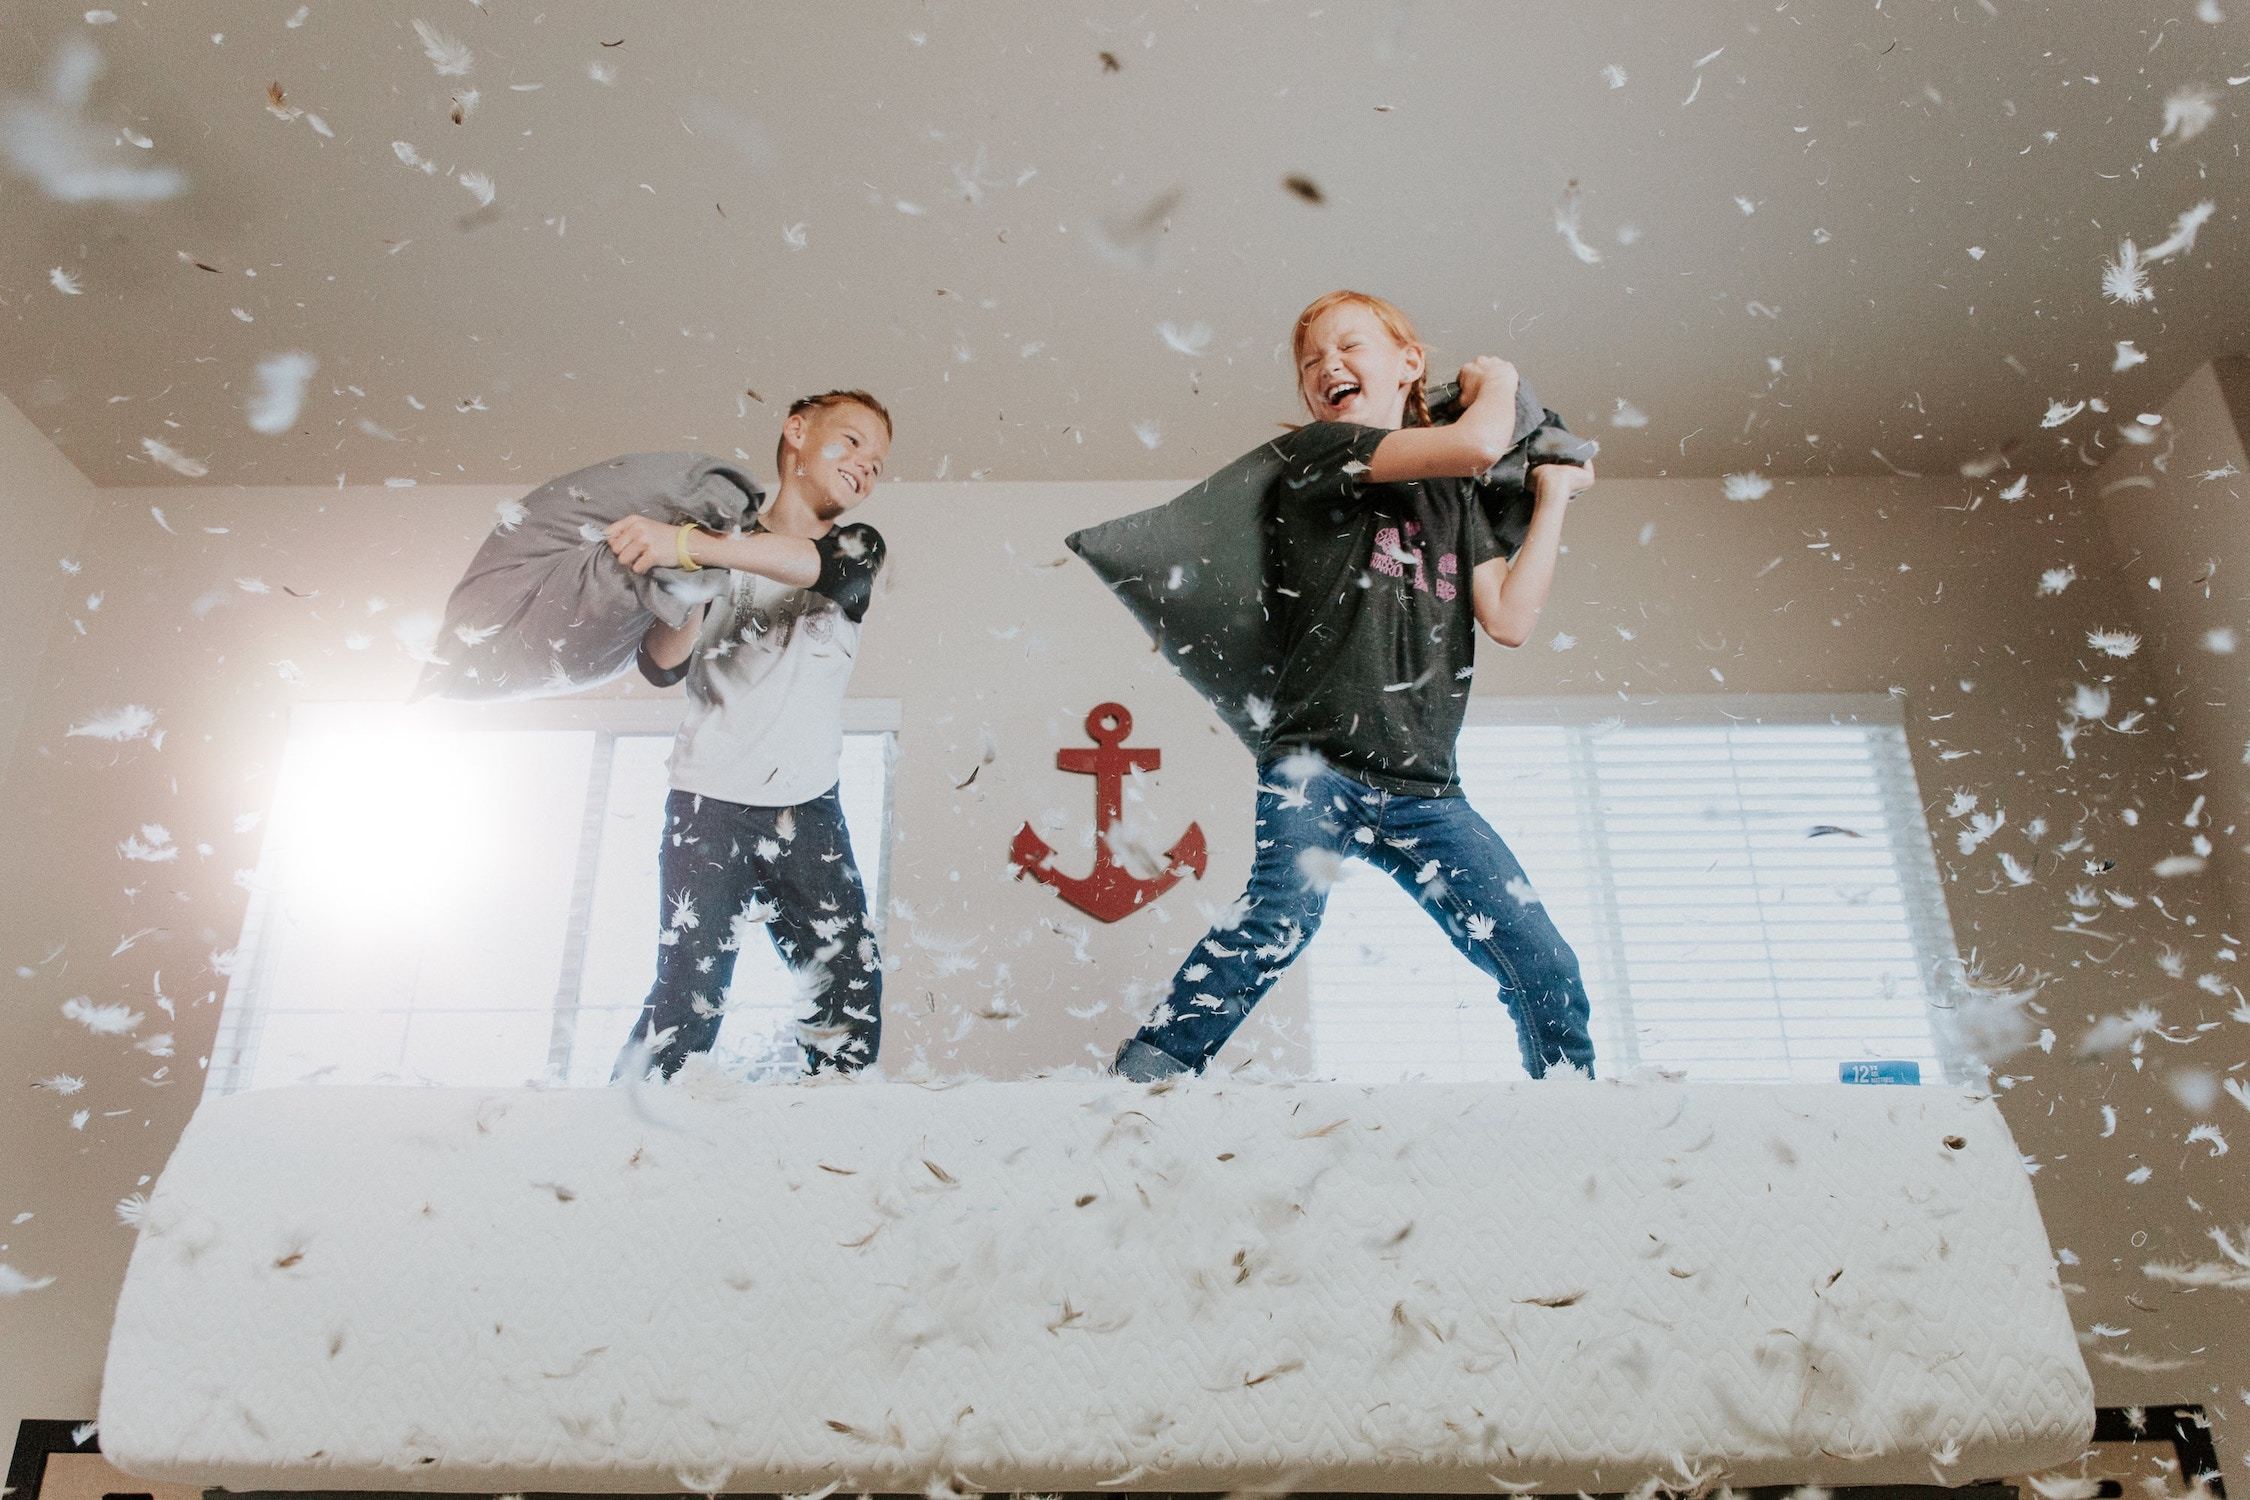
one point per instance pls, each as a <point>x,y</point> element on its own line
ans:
<point>1445,855</point>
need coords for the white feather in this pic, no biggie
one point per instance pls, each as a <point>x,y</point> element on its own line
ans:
<point>2125,279</point>
<point>1192,340</point>
<point>1566,225</point>
<point>2119,643</point>
<point>2184,229</point>
<point>14,1283</point>
<point>131,722</point>
<point>451,58</point>
<point>173,459</point>
<point>281,392</point>
<point>50,140</point>
<point>101,1020</point>
<point>2189,112</point>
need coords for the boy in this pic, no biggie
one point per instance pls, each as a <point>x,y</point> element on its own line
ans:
<point>754,830</point>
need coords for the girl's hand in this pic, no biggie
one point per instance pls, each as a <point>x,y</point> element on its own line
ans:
<point>643,542</point>
<point>1562,481</point>
<point>1485,367</point>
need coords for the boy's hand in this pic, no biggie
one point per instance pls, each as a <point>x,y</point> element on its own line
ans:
<point>644,542</point>
<point>1485,367</point>
<point>1560,482</point>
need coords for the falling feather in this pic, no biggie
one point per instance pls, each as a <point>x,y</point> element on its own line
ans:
<point>2189,112</point>
<point>1566,225</point>
<point>2184,230</point>
<point>101,1020</point>
<point>173,459</point>
<point>2064,1486</point>
<point>132,722</point>
<point>449,57</point>
<point>1193,340</point>
<point>281,392</point>
<point>14,1283</point>
<point>2125,279</point>
<point>48,139</point>
<point>2118,643</point>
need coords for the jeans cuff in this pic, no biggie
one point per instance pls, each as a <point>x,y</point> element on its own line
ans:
<point>1143,1062</point>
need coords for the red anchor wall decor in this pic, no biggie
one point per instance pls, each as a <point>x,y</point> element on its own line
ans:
<point>1109,891</point>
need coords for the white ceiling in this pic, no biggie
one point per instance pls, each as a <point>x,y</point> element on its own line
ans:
<point>996,223</point>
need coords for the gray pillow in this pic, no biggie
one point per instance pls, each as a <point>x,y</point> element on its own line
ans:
<point>546,609</point>
<point>1193,570</point>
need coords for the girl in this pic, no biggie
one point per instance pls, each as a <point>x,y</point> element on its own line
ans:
<point>1382,560</point>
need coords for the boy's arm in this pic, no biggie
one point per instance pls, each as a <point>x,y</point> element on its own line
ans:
<point>842,564</point>
<point>644,542</point>
<point>1508,596</point>
<point>1462,449</point>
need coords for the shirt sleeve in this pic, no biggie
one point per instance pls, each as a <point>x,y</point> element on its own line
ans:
<point>1328,461</point>
<point>659,676</point>
<point>666,676</point>
<point>850,557</point>
<point>1485,532</point>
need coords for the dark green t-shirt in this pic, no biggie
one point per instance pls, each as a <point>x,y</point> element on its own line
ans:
<point>1372,585</point>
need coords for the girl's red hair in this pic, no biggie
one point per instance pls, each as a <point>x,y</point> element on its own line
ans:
<point>1395,323</point>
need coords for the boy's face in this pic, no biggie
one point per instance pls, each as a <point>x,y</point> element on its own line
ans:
<point>839,452</point>
<point>1350,369</point>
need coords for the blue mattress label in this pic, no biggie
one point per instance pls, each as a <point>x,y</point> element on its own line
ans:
<point>1879,1072</point>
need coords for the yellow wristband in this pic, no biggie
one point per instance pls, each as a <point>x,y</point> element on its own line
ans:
<point>679,546</point>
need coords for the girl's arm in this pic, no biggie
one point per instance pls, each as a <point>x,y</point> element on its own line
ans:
<point>1508,596</point>
<point>1462,449</point>
<point>643,542</point>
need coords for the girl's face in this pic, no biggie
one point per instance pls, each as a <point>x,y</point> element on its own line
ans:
<point>1350,369</point>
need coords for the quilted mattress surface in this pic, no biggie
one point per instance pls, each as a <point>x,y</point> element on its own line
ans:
<point>1079,1283</point>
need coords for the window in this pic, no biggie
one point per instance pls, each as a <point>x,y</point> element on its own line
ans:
<point>468,895</point>
<point>1748,883</point>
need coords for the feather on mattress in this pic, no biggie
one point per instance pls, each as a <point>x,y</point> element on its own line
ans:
<point>1078,1282</point>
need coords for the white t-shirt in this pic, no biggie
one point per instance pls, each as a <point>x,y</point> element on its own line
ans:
<point>765,683</point>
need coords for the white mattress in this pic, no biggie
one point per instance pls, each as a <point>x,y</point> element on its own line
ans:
<point>1075,1283</point>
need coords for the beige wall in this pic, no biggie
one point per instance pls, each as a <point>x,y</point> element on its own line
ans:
<point>45,503</point>
<point>2178,518</point>
<point>985,626</point>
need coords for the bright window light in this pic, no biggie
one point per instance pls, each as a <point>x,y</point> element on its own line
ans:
<point>439,904</point>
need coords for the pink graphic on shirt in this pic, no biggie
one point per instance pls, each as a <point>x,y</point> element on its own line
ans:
<point>1392,559</point>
